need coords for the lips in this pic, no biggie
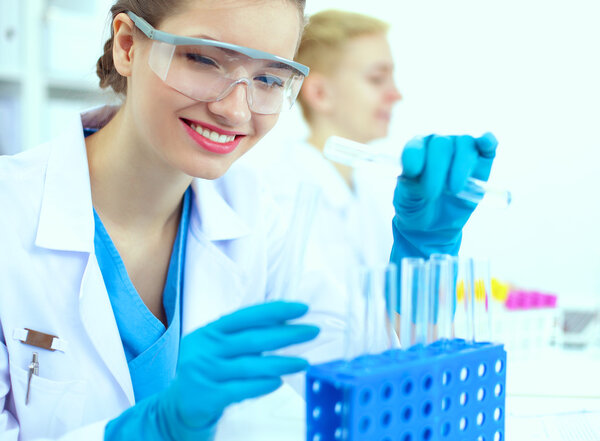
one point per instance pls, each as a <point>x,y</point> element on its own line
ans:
<point>211,138</point>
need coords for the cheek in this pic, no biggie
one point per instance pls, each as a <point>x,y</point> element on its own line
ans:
<point>263,124</point>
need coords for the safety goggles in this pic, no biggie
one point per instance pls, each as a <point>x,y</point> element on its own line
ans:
<point>208,70</point>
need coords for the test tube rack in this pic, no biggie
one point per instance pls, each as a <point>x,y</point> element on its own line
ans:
<point>449,390</point>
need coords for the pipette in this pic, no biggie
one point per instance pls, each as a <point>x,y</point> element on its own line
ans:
<point>353,153</point>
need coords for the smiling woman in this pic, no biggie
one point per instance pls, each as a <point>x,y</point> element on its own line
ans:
<point>156,263</point>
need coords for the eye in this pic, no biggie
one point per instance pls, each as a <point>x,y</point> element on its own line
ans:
<point>377,80</point>
<point>269,81</point>
<point>200,59</point>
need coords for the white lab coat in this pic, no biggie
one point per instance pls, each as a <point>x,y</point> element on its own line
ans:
<point>50,282</point>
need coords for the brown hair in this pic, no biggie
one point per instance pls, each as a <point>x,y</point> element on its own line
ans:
<point>154,12</point>
<point>325,36</point>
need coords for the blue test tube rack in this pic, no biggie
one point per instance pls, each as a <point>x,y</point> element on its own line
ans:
<point>449,390</point>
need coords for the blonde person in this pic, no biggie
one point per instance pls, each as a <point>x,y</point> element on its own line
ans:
<point>351,93</point>
<point>137,266</point>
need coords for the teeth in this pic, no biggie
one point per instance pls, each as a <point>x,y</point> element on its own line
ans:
<point>213,136</point>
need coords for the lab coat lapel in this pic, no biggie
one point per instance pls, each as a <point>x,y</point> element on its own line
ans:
<point>214,283</point>
<point>99,321</point>
<point>66,223</point>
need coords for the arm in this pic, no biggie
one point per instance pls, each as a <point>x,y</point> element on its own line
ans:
<point>219,364</point>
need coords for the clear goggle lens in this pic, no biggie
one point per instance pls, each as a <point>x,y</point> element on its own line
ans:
<point>209,73</point>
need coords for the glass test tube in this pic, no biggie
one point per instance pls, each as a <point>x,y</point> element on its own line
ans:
<point>441,287</point>
<point>373,305</point>
<point>414,305</point>
<point>463,317</point>
<point>352,153</point>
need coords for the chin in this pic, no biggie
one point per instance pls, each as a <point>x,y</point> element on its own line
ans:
<point>209,172</point>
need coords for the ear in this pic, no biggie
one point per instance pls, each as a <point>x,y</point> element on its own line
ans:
<point>317,92</point>
<point>123,44</point>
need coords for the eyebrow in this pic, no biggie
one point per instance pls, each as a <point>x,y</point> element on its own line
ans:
<point>280,65</point>
<point>270,64</point>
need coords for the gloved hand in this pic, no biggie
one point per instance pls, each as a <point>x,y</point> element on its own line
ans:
<point>219,364</point>
<point>428,218</point>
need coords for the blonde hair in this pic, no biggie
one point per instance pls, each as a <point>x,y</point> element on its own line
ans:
<point>324,38</point>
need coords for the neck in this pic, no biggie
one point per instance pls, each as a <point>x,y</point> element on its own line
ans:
<point>131,185</point>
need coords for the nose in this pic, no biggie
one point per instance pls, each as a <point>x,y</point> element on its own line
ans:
<point>394,94</point>
<point>233,109</point>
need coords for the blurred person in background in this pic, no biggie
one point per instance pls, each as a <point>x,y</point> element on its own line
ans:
<point>350,93</point>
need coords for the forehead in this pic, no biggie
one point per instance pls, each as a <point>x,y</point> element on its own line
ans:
<point>269,25</point>
<point>367,51</point>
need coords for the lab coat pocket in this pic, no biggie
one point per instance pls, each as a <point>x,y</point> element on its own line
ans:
<point>54,407</point>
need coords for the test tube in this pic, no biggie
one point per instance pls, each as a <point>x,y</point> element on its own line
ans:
<point>441,286</point>
<point>414,305</point>
<point>463,317</point>
<point>352,153</point>
<point>378,286</point>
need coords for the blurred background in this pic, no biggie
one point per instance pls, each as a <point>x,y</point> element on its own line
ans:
<point>527,70</point>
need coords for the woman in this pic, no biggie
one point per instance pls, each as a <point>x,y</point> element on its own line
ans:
<point>126,234</point>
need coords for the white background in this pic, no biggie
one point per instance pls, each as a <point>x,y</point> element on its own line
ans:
<point>529,71</point>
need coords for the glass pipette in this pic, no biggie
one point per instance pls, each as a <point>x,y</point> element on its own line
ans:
<point>352,153</point>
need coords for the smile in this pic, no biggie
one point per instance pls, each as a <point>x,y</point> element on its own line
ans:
<point>211,138</point>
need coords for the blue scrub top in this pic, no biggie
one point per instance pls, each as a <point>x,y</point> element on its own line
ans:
<point>151,350</point>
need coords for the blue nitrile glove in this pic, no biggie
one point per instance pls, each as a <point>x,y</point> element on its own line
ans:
<point>219,364</point>
<point>428,218</point>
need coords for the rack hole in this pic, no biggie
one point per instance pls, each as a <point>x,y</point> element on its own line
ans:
<point>463,398</point>
<point>337,408</point>
<point>316,386</point>
<point>462,424</point>
<point>407,388</point>
<point>464,374</point>
<point>316,413</point>
<point>446,378</point>
<point>480,394</point>
<point>406,413</point>
<point>497,436</point>
<point>497,413</point>
<point>407,437</point>
<point>427,382</point>
<point>387,391</point>
<point>427,408</point>
<point>364,424</point>
<point>481,370</point>
<point>427,434</point>
<point>316,437</point>
<point>498,390</point>
<point>480,418</point>
<point>445,403</point>
<point>338,433</point>
<point>446,429</point>
<point>386,419</point>
<point>365,396</point>
<point>498,367</point>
